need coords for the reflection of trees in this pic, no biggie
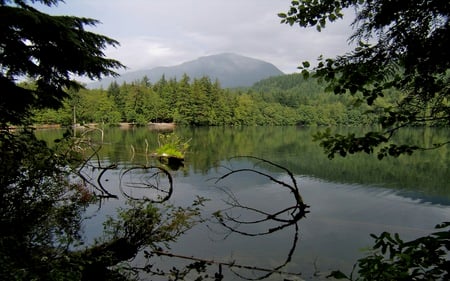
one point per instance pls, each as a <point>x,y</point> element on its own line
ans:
<point>145,221</point>
<point>238,217</point>
<point>231,218</point>
<point>143,178</point>
<point>284,145</point>
<point>142,227</point>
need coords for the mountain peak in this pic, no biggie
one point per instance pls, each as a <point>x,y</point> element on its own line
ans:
<point>232,70</point>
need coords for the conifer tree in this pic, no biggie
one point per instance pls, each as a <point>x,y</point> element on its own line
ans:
<point>48,49</point>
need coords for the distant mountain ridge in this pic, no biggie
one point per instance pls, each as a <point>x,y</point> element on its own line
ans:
<point>230,69</point>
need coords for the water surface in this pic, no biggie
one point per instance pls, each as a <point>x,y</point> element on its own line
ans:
<point>349,197</point>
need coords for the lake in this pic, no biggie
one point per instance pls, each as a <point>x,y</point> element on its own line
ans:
<point>349,198</point>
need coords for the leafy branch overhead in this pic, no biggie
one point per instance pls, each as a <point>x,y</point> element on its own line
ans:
<point>49,49</point>
<point>350,144</point>
<point>424,258</point>
<point>399,46</point>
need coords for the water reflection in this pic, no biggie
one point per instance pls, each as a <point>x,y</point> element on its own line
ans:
<point>332,235</point>
<point>349,198</point>
<point>424,172</point>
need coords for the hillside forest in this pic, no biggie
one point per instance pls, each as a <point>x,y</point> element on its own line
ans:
<point>282,100</point>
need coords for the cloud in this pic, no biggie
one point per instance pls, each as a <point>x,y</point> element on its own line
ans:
<point>143,51</point>
<point>161,33</point>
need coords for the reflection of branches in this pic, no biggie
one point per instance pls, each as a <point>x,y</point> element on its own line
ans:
<point>294,213</point>
<point>151,184</point>
<point>142,178</point>
<point>278,268</point>
<point>90,160</point>
<point>282,219</point>
<point>232,265</point>
<point>147,180</point>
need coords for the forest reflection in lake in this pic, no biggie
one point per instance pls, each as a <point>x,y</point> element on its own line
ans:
<point>349,197</point>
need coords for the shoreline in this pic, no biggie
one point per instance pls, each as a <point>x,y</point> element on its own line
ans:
<point>123,125</point>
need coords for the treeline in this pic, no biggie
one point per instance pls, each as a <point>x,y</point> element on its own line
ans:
<point>283,100</point>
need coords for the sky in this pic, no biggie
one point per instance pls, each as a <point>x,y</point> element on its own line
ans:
<point>156,33</point>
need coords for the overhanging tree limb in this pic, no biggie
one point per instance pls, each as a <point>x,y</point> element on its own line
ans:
<point>50,50</point>
<point>401,46</point>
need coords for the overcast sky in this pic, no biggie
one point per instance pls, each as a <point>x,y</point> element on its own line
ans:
<point>169,32</point>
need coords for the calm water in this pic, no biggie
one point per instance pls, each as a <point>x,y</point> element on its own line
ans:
<point>349,197</point>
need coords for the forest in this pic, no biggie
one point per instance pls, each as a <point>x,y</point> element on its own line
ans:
<point>397,76</point>
<point>277,101</point>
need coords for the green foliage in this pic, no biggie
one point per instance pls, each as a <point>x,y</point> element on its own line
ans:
<point>171,145</point>
<point>425,258</point>
<point>40,209</point>
<point>276,101</point>
<point>401,47</point>
<point>42,204</point>
<point>141,225</point>
<point>43,194</point>
<point>340,144</point>
<point>145,225</point>
<point>314,13</point>
<point>280,144</point>
<point>48,49</point>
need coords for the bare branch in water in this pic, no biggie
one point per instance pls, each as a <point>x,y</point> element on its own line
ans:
<point>89,150</point>
<point>91,171</point>
<point>147,179</point>
<point>279,219</point>
<point>292,214</point>
<point>154,184</point>
<point>231,264</point>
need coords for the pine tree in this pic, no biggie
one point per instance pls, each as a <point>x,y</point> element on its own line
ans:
<point>48,49</point>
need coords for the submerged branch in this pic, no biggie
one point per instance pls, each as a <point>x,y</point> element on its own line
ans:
<point>230,265</point>
<point>292,214</point>
<point>295,212</point>
<point>146,184</point>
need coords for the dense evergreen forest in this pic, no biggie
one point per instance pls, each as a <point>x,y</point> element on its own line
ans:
<point>283,100</point>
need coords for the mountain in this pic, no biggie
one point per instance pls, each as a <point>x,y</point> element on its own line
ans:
<point>231,70</point>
